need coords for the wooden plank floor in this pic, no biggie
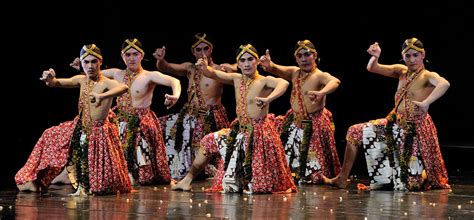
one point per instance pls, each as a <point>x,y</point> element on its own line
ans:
<point>309,203</point>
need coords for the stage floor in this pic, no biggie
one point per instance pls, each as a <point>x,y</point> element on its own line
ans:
<point>310,202</point>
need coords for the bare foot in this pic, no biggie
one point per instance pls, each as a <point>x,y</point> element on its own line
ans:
<point>28,186</point>
<point>336,181</point>
<point>79,192</point>
<point>284,192</point>
<point>214,189</point>
<point>248,191</point>
<point>181,185</point>
<point>62,178</point>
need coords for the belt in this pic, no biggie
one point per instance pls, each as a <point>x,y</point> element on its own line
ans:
<point>193,110</point>
<point>123,115</point>
<point>402,122</point>
<point>299,121</point>
<point>246,127</point>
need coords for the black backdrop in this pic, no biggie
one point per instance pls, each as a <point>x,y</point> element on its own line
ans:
<point>39,37</point>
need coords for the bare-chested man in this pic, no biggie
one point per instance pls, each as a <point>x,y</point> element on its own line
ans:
<point>140,129</point>
<point>307,130</point>
<point>202,114</point>
<point>402,150</point>
<point>90,143</point>
<point>251,156</point>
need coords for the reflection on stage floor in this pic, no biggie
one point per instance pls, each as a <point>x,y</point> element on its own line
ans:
<point>310,202</point>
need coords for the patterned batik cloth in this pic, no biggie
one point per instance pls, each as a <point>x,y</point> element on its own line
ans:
<point>49,156</point>
<point>146,157</point>
<point>106,164</point>
<point>180,158</point>
<point>426,155</point>
<point>270,171</point>
<point>322,158</point>
<point>107,167</point>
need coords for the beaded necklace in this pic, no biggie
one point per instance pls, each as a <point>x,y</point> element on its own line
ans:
<point>194,90</point>
<point>401,94</point>
<point>125,101</point>
<point>245,84</point>
<point>297,96</point>
<point>85,102</point>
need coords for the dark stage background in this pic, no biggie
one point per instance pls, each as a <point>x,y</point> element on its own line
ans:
<point>41,37</point>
